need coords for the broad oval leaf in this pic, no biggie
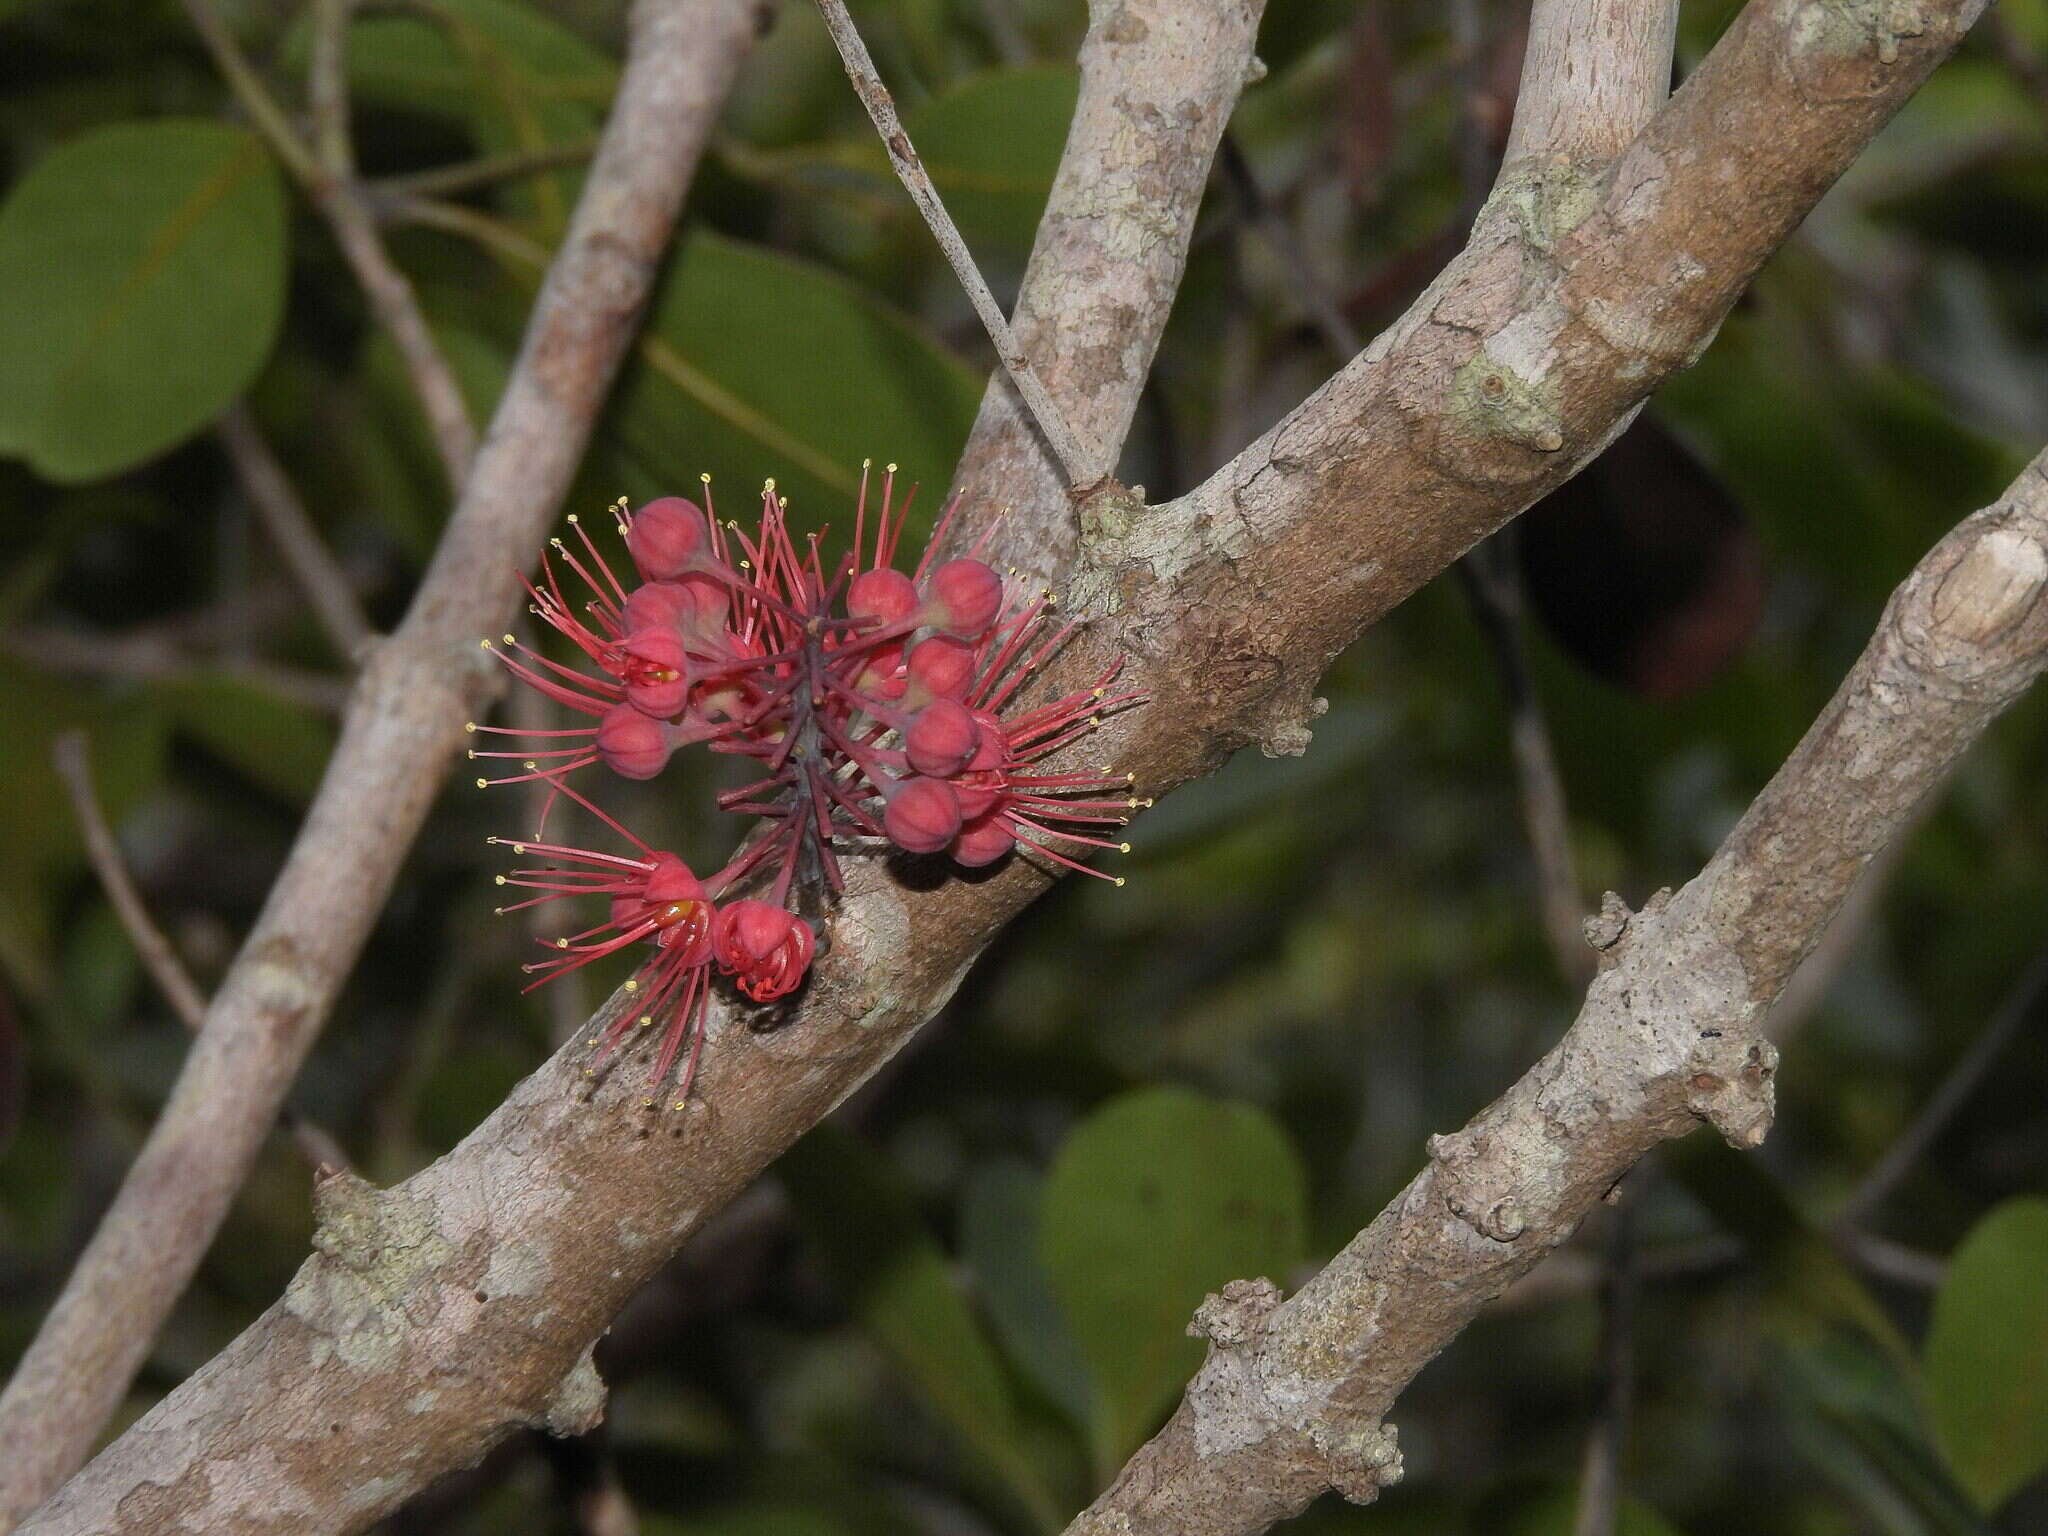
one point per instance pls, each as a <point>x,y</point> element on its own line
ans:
<point>899,1286</point>
<point>1158,1198</point>
<point>142,279</point>
<point>1986,1362</point>
<point>755,365</point>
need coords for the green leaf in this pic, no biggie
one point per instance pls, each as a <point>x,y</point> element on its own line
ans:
<point>992,144</point>
<point>1552,1510</point>
<point>142,276</point>
<point>515,77</point>
<point>756,365</point>
<point>897,1283</point>
<point>1987,1354</point>
<point>277,744</point>
<point>999,1240</point>
<point>1158,1198</point>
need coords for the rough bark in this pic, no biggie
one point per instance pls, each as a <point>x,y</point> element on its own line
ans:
<point>1158,81</point>
<point>402,729</point>
<point>1292,1398</point>
<point>382,1366</point>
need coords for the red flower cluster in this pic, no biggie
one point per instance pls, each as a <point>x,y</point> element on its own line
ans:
<point>871,703</point>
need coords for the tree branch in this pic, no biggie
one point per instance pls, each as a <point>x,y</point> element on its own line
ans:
<point>1228,603</point>
<point>1593,72</point>
<point>318,575</point>
<point>74,767</point>
<point>1291,1398</point>
<point>1081,463</point>
<point>1159,79</point>
<point>326,171</point>
<point>401,732</point>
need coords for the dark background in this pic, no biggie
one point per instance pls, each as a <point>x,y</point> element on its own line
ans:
<point>958,1308</point>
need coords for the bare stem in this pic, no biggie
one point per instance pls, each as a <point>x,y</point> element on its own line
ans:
<point>326,171</point>
<point>74,767</point>
<point>1079,462</point>
<point>484,171</point>
<point>402,730</point>
<point>326,586</point>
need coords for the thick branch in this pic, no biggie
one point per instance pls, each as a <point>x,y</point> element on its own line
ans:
<point>1079,462</point>
<point>1158,81</point>
<point>1229,603</point>
<point>1291,1398</point>
<point>1593,72</point>
<point>400,734</point>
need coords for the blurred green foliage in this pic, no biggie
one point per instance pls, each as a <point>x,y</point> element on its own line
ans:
<point>959,1305</point>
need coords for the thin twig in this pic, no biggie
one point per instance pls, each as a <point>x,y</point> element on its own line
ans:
<point>402,730</point>
<point>1600,1466</point>
<point>327,587</point>
<point>1079,462</point>
<point>1493,592</point>
<point>1495,600</point>
<point>69,754</point>
<point>484,171</point>
<point>327,175</point>
<point>151,656</point>
<point>1964,1078</point>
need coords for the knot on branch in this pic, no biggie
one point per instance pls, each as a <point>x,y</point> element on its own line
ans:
<point>1971,619</point>
<point>576,1406</point>
<point>1362,1456</point>
<point>1605,929</point>
<point>1476,1189</point>
<point>1232,1317</point>
<point>1734,1096</point>
<point>1285,731</point>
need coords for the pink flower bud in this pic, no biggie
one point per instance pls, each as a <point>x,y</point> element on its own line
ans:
<point>923,815</point>
<point>965,597</point>
<point>665,537</point>
<point>656,672</point>
<point>763,948</point>
<point>882,594</point>
<point>982,842</point>
<point>940,668</point>
<point>631,744</point>
<point>695,605</point>
<point>942,739</point>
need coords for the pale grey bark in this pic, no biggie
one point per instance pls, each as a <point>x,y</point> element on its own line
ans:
<point>435,1316</point>
<point>1293,1396</point>
<point>401,731</point>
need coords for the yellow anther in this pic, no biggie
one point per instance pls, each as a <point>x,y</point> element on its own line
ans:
<point>1132,778</point>
<point>891,468</point>
<point>768,486</point>
<point>471,754</point>
<point>511,639</point>
<point>530,767</point>
<point>558,544</point>
<point>867,463</point>
<point>485,644</point>
<point>1119,879</point>
<point>1123,847</point>
<point>501,879</point>
<point>470,726</point>
<point>677,1105</point>
<point>483,783</point>
<point>519,847</point>
<point>705,477</point>
<point>561,943</point>
<point>647,1103</point>
<point>590,1071</point>
<point>646,1019</point>
<point>632,985</point>
<point>572,517</point>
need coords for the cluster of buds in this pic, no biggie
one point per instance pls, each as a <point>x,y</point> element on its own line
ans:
<point>870,703</point>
